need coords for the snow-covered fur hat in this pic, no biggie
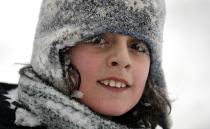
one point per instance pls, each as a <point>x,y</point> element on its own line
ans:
<point>63,23</point>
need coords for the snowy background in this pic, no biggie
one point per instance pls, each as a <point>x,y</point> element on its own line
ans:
<point>186,49</point>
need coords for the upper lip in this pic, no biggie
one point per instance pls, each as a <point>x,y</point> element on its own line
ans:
<point>116,79</point>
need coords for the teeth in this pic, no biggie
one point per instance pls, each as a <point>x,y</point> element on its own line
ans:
<point>123,85</point>
<point>118,84</point>
<point>113,83</point>
<point>106,82</point>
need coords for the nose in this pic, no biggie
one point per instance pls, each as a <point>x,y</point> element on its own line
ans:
<point>119,58</point>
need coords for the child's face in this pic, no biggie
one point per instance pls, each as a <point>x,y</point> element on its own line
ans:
<point>115,60</point>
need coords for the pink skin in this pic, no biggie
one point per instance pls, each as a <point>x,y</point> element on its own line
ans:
<point>117,61</point>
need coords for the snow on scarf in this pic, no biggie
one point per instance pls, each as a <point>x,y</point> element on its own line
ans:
<point>54,109</point>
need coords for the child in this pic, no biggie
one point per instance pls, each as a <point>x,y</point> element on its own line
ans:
<point>95,64</point>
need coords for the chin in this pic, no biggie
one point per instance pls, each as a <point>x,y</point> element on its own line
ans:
<point>109,108</point>
<point>112,111</point>
<point>116,113</point>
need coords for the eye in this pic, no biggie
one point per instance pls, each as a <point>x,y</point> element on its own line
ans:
<point>98,41</point>
<point>139,48</point>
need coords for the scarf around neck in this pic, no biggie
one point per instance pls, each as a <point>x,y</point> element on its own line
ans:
<point>56,110</point>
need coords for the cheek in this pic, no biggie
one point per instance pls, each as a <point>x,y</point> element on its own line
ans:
<point>84,61</point>
<point>88,68</point>
<point>140,76</point>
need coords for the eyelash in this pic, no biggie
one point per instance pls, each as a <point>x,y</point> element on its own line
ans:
<point>140,47</point>
<point>100,42</point>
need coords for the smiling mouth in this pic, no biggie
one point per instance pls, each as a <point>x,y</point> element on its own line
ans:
<point>114,84</point>
<point>113,88</point>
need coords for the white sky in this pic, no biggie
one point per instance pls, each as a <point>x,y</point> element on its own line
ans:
<point>185,53</point>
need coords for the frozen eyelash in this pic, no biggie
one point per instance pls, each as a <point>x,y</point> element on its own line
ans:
<point>98,41</point>
<point>94,39</point>
<point>141,47</point>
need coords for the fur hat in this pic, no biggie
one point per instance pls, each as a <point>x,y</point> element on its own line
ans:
<point>63,23</point>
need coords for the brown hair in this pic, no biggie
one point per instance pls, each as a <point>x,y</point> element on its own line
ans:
<point>153,109</point>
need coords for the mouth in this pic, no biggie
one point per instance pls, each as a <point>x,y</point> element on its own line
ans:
<point>114,84</point>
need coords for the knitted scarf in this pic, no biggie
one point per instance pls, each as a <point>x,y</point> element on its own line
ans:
<point>56,110</point>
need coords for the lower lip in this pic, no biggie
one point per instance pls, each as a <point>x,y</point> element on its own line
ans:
<point>113,89</point>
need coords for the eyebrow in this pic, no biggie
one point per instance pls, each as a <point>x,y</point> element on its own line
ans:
<point>137,41</point>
